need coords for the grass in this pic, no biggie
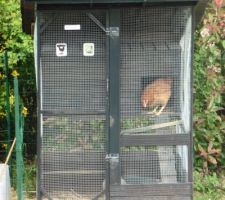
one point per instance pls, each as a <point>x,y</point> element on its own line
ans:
<point>208,196</point>
<point>209,187</point>
<point>206,187</point>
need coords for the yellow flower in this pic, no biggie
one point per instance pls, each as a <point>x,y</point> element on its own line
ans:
<point>4,146</point>
<point>2,76</point>
<point>15,73</point>
<point>2,114</point>
<point>25,111</point>
<point>11,99</point>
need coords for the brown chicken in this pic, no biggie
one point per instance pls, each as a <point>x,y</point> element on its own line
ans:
<point>156,95</point>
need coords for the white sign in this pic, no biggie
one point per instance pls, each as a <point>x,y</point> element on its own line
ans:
<point>72,27</point>
<point>88,49</point>
<point>61,49</point>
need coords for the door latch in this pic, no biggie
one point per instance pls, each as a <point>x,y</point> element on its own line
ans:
<point>112,157</point>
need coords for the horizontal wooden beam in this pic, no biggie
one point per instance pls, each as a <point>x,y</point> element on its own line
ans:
<point>109,1</point>
<point>151,127</point>
<point>160,140</point>
<point>153,198</point>
<point>72,112</point>
<point>140,191</point>
<point>73,172</point>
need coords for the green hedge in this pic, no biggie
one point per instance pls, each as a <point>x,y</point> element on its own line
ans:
<point>209,69</point>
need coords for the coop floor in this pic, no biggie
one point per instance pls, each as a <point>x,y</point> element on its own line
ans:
<point>57,196</point>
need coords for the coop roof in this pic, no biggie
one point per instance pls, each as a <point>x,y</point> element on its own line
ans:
<point>28,11</point>
<point>108,1</point>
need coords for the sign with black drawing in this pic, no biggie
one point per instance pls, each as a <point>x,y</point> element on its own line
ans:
<point>88,49</point>
<point>61,49</point>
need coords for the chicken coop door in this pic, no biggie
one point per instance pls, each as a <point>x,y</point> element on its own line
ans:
<point>114,103</point>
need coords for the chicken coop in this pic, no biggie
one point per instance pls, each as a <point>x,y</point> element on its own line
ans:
<point>114,83</point>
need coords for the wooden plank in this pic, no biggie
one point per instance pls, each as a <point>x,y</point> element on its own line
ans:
<point>154,198</point>
<point>71,112</point>
<point>151,127</point>
<point>161,140</point>
<point>135,191</point>
<point>110,1</point>
<point>79,172</point>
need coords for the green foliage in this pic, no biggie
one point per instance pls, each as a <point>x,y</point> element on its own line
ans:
<point>30,176</point>
<point>209,186</point>
<point>209,69</point>
<point>12,38</point>
<point>20,52</point>
<point>135,123</point>
<point>66,133</point>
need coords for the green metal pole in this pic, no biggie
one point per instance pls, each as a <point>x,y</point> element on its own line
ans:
<point>21,175</point>
<point>7,101</point>
<point>19,163</point>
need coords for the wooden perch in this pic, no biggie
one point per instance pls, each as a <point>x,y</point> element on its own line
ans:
<point>152,127</point>
<point>85,171</point>
<point>10,151</point>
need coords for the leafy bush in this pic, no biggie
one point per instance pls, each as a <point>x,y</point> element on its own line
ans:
<point>12,37</point>
<point>20,51</point>
<point>209,186</point>
<point>209,68</point>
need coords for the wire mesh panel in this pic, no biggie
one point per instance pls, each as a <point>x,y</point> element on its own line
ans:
<point>155,94</point>
<point>153,72</point>
<point>73,102</point>
<point>154,164</point>
<point>155,46</point>
<point>74,80</point>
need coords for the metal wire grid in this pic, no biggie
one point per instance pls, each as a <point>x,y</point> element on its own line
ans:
<point>150,50</point>
<point>72,146</point>
<point>153,164</point>
<point>73,154</point>
<point>63,79</point>
<point>74,81</point>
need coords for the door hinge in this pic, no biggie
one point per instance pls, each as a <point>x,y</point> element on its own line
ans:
<point>114,157</point>
<point>113,31</point>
